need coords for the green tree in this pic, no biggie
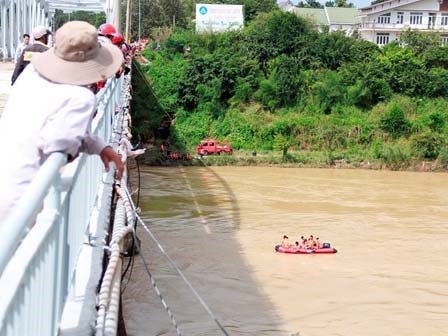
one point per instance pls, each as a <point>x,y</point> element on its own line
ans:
<point>222,63</point>
<point>156,15</point>
<point>436,121</point>
<point>395,122</point>
<point>344,3</point>
<point>285,74</point>
<point>403,70</point>
<point>363,51</point>
<point>436,56</point>
<point>151,16</point>
<point>282,144</point>
<point>332,137</point>
<point>310,4</point>
<point>427,145</point>
<point>254,7</point>
<point>166,72</point>
<point>419,41</point>
<point>276,33</point>
<point>359,94</point>
<point>147,113</point>
<point>436,84</point>
<point>173,12</point>
<point>329,90</point>
<point>267,94</point>
<point>95,19</point>
<point>334,49</point>
<point>371,77</point>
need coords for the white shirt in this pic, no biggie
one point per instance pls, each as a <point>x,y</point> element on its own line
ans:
<point>41,117</point>
<point>19,51</point>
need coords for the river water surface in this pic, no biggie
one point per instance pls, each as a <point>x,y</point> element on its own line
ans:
<point>220,226</point>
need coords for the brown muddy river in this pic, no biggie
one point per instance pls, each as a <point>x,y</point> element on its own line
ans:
<point>220,226</point>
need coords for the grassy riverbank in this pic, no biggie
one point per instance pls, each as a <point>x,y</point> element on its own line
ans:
<point>153,157</point>
<point>298,97</point>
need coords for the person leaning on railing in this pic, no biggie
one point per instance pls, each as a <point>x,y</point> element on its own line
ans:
<point>50,109</point>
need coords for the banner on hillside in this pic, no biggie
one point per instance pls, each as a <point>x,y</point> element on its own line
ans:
<point>218,18</point>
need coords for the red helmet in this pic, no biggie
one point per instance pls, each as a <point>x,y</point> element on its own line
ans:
<point>107,29</point>
<point>117,39</point>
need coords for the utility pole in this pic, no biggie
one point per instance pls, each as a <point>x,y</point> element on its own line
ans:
<point>117,13</point>
<point>128,19</point>
<point>139,21</point>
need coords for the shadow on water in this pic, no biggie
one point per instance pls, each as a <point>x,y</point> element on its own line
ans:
<point>195,216</point>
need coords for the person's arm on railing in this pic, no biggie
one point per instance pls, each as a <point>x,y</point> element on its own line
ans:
<point>66,132</point>
<point>109,155</point>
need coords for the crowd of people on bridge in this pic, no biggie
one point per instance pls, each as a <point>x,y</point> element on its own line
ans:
<point>52,102</point>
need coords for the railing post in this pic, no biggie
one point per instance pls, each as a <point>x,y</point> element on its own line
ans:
<point>53,201</point>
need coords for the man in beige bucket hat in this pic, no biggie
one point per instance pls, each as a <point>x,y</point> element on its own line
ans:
<point>77,58</point>
<point>50,109</point>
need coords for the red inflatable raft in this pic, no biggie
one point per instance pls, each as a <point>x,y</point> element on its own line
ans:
<point>295,250</point>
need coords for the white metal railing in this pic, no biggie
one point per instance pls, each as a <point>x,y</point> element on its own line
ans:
<point>36,267</point>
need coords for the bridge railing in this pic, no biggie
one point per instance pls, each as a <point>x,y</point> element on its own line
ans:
<point>38,254</point>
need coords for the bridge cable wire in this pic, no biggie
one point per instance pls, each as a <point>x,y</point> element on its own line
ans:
<point>148,85</point>
<point>165,305</point>
<point>130,213</point>
<point>174,266</point>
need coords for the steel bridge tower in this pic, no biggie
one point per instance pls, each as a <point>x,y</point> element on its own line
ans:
<point>18,17</point>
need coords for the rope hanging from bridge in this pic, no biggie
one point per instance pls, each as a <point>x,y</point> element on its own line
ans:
<point>170,261</point>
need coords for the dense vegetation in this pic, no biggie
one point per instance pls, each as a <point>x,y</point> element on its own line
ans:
<point>280,85</point>
<point>95,19</point>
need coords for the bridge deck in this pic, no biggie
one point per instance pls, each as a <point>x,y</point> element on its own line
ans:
<point>6,69</point>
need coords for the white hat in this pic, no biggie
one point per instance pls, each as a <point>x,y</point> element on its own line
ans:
<point>77,57</point>
<point>40,31</point>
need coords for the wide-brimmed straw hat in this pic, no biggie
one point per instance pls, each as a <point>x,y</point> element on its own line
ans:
<point>77,58</point>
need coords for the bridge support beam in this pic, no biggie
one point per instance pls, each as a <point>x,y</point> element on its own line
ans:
<point>18,17</point>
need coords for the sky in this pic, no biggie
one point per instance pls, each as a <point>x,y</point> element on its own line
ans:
<point>357,3</point>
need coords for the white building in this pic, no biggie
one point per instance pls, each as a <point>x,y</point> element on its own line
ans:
<point>335,18</point>
<point>383,22</point>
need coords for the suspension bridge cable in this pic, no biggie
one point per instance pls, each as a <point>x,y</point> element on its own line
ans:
<point>165,305</point>
<point>148,85</point>
<point>130,212</point>
<point>174,266</point>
